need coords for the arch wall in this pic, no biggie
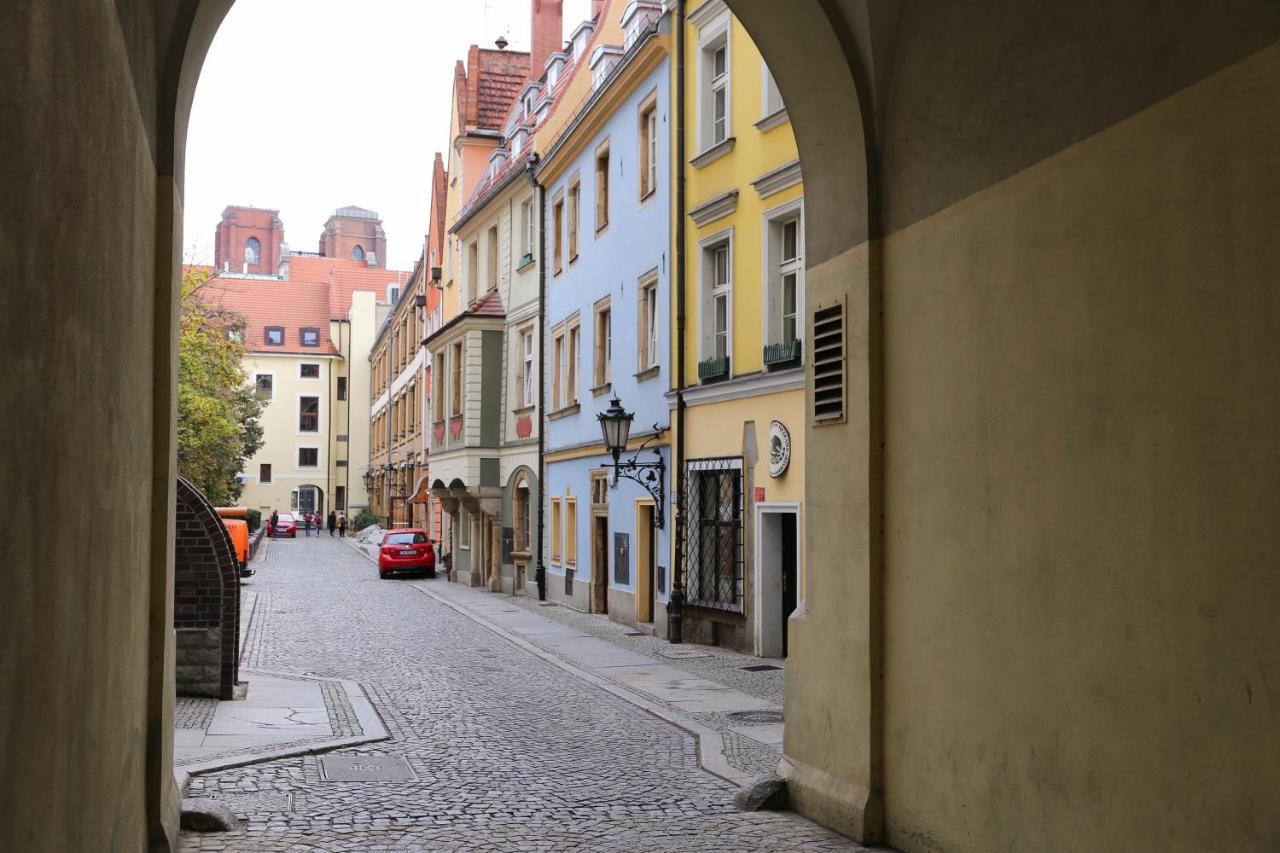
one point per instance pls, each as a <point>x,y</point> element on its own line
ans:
<point>206,599</point>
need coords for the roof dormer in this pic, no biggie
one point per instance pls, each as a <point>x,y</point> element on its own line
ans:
<point>578,39</point>
<point>603,60</point>
<point>555,67</point>
<point>637,17</point>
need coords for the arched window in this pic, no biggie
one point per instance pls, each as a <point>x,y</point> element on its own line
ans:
<point>357,254</point>
<point>252,251</point>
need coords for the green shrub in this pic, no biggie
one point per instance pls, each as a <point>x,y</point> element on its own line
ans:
<point>255,519</point>
<point>362,520</point>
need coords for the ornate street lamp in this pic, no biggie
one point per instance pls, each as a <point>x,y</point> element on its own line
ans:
<point>367,477</point>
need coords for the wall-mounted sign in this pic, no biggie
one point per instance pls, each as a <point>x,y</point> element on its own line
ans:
<point>779,449</point>
<point>759,494</point>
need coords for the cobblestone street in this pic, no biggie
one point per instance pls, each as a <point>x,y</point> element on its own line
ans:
<point>507,751</point>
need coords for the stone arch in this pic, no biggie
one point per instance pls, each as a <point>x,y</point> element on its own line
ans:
<point>206,591</point>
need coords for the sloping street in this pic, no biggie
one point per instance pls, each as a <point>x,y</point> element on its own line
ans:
<point>496,748</point>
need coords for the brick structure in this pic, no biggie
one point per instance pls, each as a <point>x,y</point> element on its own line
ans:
<point>206,593</point>
<point>355,234</point>
<point>232,251</point>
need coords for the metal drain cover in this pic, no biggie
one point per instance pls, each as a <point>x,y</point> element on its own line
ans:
<point>760,667</point>
<point>635,634</point>
<point>756,716</point>
<point>365,768</point>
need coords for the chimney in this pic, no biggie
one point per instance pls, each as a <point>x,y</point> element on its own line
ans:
<point>546,35</point>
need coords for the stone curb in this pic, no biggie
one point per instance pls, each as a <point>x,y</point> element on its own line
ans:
<point>370,721</point>
<point>709,742</point>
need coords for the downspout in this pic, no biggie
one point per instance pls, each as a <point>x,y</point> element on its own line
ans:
<point>675,604</point>
<point>540,574</point>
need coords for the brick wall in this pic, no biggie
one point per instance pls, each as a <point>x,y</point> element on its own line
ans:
<point>206,606</point>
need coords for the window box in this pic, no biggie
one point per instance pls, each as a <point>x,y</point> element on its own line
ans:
<point>713,369</point>
<point>778,355</point>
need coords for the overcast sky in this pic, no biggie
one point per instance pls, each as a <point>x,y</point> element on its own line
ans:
<point>310,105</point>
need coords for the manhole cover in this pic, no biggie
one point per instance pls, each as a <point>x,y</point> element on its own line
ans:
<point>760,667</point>
<point>634,634</point>
<point>365,768</point>
<point>546,604</point>
<point>683,654</point>
<point>756,716</point>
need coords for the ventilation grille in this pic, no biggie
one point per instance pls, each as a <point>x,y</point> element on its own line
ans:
<point>828,363</point>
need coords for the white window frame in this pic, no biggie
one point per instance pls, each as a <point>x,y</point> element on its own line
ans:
<point>270,373</point>
<point>530,227</point>
<point>715,34</point>
<point>526,359</point>
<point>319,375</point>
<point>770,95</point>
<point>648,147</point>
<point>598,350</point>
<point>647,327</point>
<point>771,264</point>
<point>707,294</point>
<point>297,464</point>
<point>572,359</point>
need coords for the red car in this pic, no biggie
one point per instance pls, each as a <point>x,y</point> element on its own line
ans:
<point>406,550</point>
<point>287,525</point>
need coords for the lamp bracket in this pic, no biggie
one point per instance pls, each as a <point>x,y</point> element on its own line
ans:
<point>650,475</point>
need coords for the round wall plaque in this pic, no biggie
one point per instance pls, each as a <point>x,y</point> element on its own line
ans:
<point>779,449</point>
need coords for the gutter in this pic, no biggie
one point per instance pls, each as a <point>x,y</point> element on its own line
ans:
<point>675,602</point>
<point>540,574</point>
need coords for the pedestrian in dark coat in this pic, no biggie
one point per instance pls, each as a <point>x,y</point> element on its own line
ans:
<point>275,523</point>
<point>342,525</point>
<point>333,522</point>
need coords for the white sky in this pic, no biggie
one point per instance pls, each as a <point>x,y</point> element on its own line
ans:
<point>310,105</point>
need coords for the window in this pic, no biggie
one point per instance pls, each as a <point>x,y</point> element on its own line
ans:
<point>714,83</point>
<point>309,337</point>
<point>342,387</point>
<point>717,274</point>
<point>649,147</point>
<point>252,252</point>
<point>600,490</point>
<point>357,253</point>
<point>557,217</point>
<point>274,336</point>
<point>437,381</point>
<point>236,335</point>
<point>557,533</point>
<point>790,271</point>
<point>473,273</point>
<point>602,346</point>
<point>309,371</point>
<point>557,368</point>
<point>393,294</point>
<point>571,366</point>
<point>265,383</point>
<point>784,283</point>
<point>493,257</point>
<point>530,229</point>
<point>714,551</point>
<point>308,457</point>
<point>526,368</point>
<point>308,414</point>
<point>456,392</point>
<point>771,98</point>
<point>571,531</point>
<point>648,331</point>
<point>575,192</point>
<point>340,497</point>
<point>602,186</point>
<point>264,474</point>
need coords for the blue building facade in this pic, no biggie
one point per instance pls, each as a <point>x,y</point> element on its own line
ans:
<point>606,195</point>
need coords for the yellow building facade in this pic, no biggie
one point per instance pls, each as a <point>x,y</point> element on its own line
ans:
<point>740,382</point>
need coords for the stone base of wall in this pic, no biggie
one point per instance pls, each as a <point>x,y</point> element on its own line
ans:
<point>708,628</point>
<point>198,670</point>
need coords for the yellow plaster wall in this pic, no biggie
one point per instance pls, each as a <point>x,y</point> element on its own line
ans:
<point>1081,515</point>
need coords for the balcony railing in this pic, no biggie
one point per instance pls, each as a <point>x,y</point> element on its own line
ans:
<point>713,369</point>
<point>782,354</point>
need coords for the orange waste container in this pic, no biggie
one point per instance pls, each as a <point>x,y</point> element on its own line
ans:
<point>239,531</point>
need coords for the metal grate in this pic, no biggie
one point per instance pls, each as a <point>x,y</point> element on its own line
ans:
<point>713,489</point>
<point>760,667</point>
<point>828,363</point>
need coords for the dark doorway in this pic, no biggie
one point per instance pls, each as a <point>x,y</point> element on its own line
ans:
<point>790,573</point>
<point>600,565</point>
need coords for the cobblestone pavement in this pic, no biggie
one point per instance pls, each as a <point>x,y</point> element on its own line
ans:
<point>510,753</point>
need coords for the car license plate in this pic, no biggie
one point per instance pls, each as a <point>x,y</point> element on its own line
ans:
<point>407,553</point>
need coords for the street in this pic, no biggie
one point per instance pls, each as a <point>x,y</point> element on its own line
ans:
<point>509,751</point>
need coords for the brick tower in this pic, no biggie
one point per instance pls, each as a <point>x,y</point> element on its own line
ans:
<point>248,239</point>
<point>356,234</point>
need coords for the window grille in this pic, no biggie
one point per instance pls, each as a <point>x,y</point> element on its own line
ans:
<point>713,557</point>
<point>828,363</point>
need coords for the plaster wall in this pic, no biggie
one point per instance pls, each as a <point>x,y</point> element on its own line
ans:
<point>86,324</point>
<point>1080,413</point>
<point>361,329</point>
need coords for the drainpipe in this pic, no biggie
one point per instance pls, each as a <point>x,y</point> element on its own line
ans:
<point>540,574</point>
<point>675,601</point>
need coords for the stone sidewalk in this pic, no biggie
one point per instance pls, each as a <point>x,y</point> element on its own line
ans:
<point>731,702</point>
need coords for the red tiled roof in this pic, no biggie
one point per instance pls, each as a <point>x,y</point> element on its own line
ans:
<point>489,305</point>
<point>263,302</point>
<point>485,87</point>
<point>343,277</point>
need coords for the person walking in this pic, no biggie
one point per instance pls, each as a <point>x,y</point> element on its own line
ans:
<point>306,524</point>
<point>275,524</point>
<point>333,522</point>
<point>342,525</point>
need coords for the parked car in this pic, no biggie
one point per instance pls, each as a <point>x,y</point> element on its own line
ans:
<point>287,526</point>
<point>406,550</point>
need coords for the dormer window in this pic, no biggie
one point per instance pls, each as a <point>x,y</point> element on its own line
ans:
<point>517,143</point>
<point>309,337</point>
<point>252,251</point>
<point>273,336</point>
<point>357,254</point>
